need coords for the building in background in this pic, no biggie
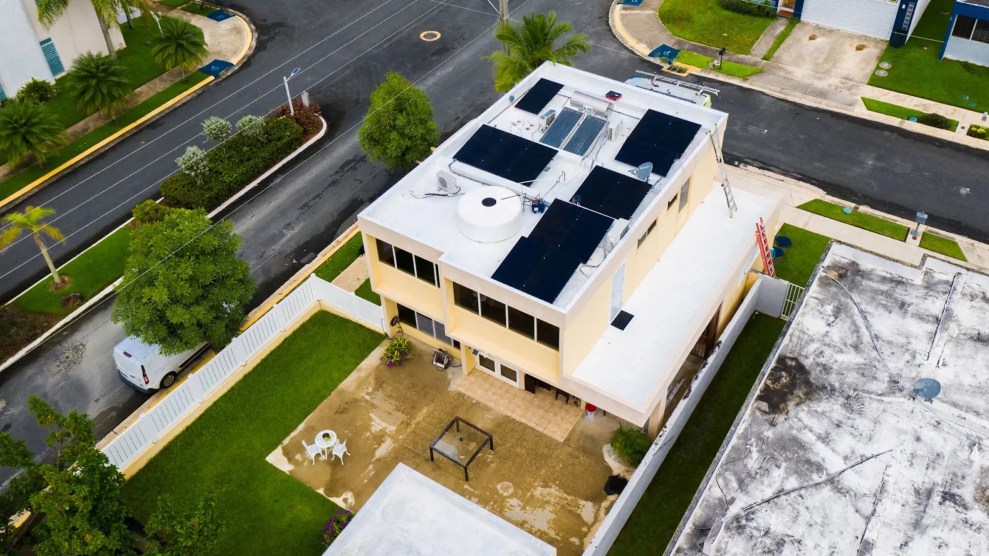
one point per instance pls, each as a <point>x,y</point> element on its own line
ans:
<point>32,51</point>
<point>889,20</point>
<point>573,237</point>
<point>967,38</point>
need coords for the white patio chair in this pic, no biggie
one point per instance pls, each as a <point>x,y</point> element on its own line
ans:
<point>339,449</point>
<point>312,451</point>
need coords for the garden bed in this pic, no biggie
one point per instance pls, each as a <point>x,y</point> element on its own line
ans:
<point>902,112</point>
<point>943,245</point>
<point>801,258</point>
<point>868,222</point>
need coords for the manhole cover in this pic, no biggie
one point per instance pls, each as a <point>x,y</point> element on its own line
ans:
<point>882,73</point>
<point>885,65</point>
<point>430,36</point>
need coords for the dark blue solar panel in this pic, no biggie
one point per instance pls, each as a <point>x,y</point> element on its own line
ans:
<point>658,138</point>
<point>561,127</point>
<point>538,96</point>
<point>571,228</point>
<point>585,135</point>
<point>611,193</point>
<point>503,154</point>
<point>635,153</point>
<point>536,269</point>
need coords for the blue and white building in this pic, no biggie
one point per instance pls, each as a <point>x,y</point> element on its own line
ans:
<point>967,38</point>
<point>29,50</point>
<point>889,20</point>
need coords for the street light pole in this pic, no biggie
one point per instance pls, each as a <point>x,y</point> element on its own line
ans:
<point>291,109</point>
<point>503,18</point>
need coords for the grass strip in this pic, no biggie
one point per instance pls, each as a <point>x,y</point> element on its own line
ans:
<point>706,22</point>
<point>15,183</point>
<point>868,222</point>
<point>735,69</point>
<point>778,41</point>
<point>897,111</point>
<point>694,59</point>
<point>341,259</point>
<point>940,244</point>
<point>222,453</point>
<point>800,259</point>
<point>91,272</point>
<point>364,291</point>
<point>656,517</point>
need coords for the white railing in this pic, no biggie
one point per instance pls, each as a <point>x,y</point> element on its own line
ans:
<point>793,293</point>
<point>618,515</point>
<point>315,291</point>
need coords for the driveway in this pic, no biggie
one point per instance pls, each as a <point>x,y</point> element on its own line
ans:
<point>830,52</point>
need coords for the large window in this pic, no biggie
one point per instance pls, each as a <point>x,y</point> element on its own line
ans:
<point>971,29</point>
<point>425,324</point>
<point>510,317</point>
<point>407,262</point>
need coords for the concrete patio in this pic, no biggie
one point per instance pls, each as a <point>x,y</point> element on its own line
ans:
<point>550,488</point>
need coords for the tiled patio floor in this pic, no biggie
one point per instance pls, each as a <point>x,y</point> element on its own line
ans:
<point>549,488</point>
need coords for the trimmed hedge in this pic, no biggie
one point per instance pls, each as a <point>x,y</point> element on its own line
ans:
<point>233,164</point>
<point>749,7</point>
<point>936,120</point>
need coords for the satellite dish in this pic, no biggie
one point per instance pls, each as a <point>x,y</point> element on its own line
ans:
<point>926,389</point>
<point>642,171</point>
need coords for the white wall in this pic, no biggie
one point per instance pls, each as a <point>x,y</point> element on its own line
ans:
<point>968,51</point>
<point>917,14</point>
<point>873,18</point>
<point>76,32</point>
<point>20,51</point>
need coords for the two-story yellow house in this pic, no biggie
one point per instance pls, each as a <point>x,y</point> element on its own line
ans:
<point>574,236</point>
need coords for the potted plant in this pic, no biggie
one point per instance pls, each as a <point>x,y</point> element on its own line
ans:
<point>396,351</point>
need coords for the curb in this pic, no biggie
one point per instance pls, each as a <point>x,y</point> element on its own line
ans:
<point>134,127</point>
<point>105,292</point>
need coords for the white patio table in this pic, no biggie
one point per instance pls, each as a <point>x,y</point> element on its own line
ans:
<point>326,439</point>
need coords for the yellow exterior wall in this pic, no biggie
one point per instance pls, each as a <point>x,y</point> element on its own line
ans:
<point>398,285</point>
<point>583,331</point>
<point>513,349</point>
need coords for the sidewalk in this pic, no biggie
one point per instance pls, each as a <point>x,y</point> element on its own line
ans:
<point>640,30</point>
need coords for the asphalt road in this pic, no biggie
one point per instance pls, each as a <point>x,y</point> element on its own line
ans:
<point>311,200</point>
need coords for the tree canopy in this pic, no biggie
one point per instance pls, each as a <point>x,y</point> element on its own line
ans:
<point>398,128</point>
<point>184,283</point>
<point>27,130</point>
<point>530,43</point>
<point>98,83</point>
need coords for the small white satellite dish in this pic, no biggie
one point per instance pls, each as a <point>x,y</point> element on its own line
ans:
<point>642,171</point>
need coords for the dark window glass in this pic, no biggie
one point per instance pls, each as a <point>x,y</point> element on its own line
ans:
<point>425,270</point>
<point>403,260</point>
<point>981,32</point>
<point>509,373</point>
<point>649,230</point>
<point>486,362</point>
<point>425,324</point>
<point>670,204</point>
<point>465,297</point>
<point>441,333</point>
<point>406,315</point>
<point>493,309</point>
<point>520,322</point>
<point>385,254</point>
<point>684,195</point>
<point>547,334</point>
<point>963,27</point>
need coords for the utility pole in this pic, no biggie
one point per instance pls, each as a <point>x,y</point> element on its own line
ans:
<point>503,18</point>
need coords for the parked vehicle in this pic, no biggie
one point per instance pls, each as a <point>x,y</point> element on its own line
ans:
<point>146,369</point>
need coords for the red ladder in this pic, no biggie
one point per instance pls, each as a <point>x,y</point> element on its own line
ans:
<point>764,249</point>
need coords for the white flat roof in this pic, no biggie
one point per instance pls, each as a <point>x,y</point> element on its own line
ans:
<point>412,209</point>
<point>834,455</point>
<point>670,307</point>
<point>411,515</point>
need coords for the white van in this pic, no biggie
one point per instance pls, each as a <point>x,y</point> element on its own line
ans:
<point>144,368</point>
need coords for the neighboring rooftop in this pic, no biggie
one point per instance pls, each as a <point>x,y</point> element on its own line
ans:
<point>411,514</point>
<point>555,141</point>
<point>835,455</point>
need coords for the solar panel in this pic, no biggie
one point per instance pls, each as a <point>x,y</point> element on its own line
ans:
<point>536,269</point>
<point>503,154</point>
<point>611,193</point>
<point>585,135</point>
<point>538,96</point>
<point>572,229</point>
<point>658,138</point>
<point>561,127</point>
<point>634,153</point>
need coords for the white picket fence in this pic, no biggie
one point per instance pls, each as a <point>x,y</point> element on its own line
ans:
<point>150,426</point>
<point>759,296</point>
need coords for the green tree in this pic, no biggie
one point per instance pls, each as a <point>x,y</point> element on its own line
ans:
<point>398,128</point>
<point>181,44</point>
<point>194,533</point>
<point>32,222</point>
<point>184,283</point>
<point>106,13</point>
<point>529,44</point>
<point>251,126</point>
<point>216,129</point>
<point>27,130</point>
<point>98,83</point>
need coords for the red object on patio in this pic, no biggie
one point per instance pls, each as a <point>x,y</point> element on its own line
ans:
<point>590,408</point>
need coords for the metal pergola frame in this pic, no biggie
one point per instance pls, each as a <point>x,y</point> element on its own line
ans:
<point>456,422</point>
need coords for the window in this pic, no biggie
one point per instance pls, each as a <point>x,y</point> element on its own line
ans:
<point>406,315</point>
<point>492,309</point>
<point>407,262</point>
<point>404,261</point>
<point>486,362</point>
<point>981,32</point>
<point>385,253</point>
<point>649,230</point>
<point>52,57</point>
<point>3,95</point>
<point>517,321</point>
<point>466,298</point>
<point>672,391</point>
<point>963,27</point>
<point>523,323</point>
<point>670,204</point>
<point>511,374</point>
<point>425,324</point>
<point>547,334</point>
<point>684,195</point>
<point>425,270</point>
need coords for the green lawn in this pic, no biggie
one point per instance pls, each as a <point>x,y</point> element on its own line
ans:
<point>943,245</point>
<point>897,111</point>
<point>90,272</point>
<point>14,183</point>
<point>916,70</point>
<point>868,222</point>
<point>264,510</point>
<point>172,3</point>
<point>799,260</point>
<point>778,41</point>
<point>694,59</point>
<point>739,70</point>
<point>706,22</point>
<point>367,293</point>
<point>339,261</point>
<point>658,514</point>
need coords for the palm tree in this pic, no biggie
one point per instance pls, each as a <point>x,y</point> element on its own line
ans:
<point>98,83</point>
<point>529,44</point>
<point>28,129</point>
<point>181,45</point>
<point>31,221</point>
<point>106,13</point>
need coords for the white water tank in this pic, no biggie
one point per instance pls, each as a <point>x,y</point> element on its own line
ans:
<point>490,214</point>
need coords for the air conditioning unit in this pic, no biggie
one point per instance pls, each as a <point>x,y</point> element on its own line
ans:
<point>447,182</point>
<point>547,119</point>
<point>614,130</point>
<point>615,234</point>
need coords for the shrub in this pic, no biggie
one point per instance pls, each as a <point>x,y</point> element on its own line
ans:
<point>251,126</point>
<point>216,128</point>
<point>28,130</point>
<point>749,7</point>
<point>232,165</point>
<point>148,212</point>
<point>97,82</point>
<point>630,444</point>
<point>978,131</point>
<point>36,90</point>
<point>396,351</point>
<point>307,117</point>
<point>341,518</point>
<point>935,120</point>
<point>180,44</point>
<point>193,162</point>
